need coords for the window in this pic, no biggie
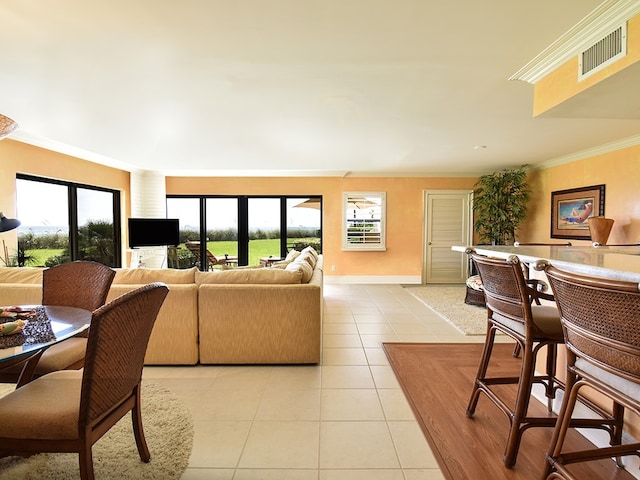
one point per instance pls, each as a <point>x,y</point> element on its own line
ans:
<point>63,221</point>
<point>250,228</point>
<point>363,226</point>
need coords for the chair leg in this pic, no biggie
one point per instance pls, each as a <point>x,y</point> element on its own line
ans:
<point>616,431</point>
<point>516,350</point>
<point>562,424</point>
<point>550,387</point>
<point>521,407</point>
<point>482,369</point>
<point>85,457</point>
<point>138,431</point>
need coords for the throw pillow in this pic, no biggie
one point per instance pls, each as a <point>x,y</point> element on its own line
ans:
<point>303,267</point>
<point>311,250</point>
<point>291,256</point>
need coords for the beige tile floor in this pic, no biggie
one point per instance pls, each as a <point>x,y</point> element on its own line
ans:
<point>346,419</point>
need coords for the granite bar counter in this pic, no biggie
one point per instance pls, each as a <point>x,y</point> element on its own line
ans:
<point>622,263</point>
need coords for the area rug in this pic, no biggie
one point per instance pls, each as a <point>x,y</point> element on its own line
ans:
<point>448,302</point>
<point>437,379</point>
<point>168,428</point>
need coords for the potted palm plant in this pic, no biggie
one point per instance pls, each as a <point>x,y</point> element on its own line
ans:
<point>500,205</point>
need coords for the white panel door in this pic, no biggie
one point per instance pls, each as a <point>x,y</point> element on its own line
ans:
<point>447,223</point>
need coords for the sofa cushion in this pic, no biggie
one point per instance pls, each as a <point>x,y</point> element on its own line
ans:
<point>249,276</point>
<point>291,256</point>
<point>142,276</point>
<point>31,275</point>
<point>308,258</point>
<point>306,270</point>
<point>309,249</point>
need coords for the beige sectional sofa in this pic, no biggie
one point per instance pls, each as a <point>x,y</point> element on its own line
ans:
<point>236,316</point>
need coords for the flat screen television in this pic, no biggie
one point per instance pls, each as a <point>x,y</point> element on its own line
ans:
<point>153,232</point>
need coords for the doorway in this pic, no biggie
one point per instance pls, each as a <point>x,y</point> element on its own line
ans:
<point>447,222</point>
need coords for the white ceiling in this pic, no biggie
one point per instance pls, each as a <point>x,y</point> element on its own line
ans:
<point>326,87</point>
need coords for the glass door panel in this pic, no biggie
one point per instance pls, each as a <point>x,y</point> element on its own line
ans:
<point>264,229</point>
<point>221,232</point>
<point>304,223</point>
<point>187,211</point>
<point>96,238</point>
<point>43,236</point>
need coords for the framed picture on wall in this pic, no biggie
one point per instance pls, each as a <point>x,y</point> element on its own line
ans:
<point>570,210</point>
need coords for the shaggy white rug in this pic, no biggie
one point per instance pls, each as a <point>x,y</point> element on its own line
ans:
<point>448,302</point>
<point>168,428</point>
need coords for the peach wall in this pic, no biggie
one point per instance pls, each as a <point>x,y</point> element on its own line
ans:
<point>619,171</point>
<point>563,83</point>
<point>17,157</point>
<point>403,256</point>
<point>404,202</point>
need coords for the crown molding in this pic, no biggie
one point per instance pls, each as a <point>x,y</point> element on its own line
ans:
<point>25,137</point>
<point>591,152</point>
<point>590,29</point>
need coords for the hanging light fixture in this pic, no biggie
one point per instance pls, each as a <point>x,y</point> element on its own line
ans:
<point>7,224</point>
<point>6,126</point>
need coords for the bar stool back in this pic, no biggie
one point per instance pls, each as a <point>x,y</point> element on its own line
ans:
<point>509,310</point>
<point>600,320</point>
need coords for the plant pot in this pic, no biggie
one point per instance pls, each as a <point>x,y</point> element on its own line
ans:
<point>600,228</point>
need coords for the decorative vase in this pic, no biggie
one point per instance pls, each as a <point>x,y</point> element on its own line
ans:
<point>600,228</point>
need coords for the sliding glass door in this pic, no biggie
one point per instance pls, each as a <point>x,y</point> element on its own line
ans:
<point>249,228</point>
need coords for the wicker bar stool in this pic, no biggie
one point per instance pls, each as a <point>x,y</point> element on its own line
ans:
<point>600,320</point>
<point>532,327</point>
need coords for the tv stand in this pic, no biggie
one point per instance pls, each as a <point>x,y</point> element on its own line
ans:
<point>148,257</point>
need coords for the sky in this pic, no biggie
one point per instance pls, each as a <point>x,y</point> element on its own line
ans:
<point>263,213</point>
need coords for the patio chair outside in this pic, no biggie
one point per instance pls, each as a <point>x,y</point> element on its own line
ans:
<point>224,260</point>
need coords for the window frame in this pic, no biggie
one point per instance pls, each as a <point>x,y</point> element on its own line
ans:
<point>72,213</point>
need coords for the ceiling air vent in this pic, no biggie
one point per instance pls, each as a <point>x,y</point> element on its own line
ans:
<point>603,53</point>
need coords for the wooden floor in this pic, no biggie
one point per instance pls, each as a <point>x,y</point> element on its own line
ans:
<point>437,380</point>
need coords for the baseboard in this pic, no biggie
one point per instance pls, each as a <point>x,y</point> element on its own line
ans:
<point>372,279</point>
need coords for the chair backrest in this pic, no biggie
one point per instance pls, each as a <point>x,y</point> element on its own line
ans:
<point>81,284</point>
<point>194,248</point>
<point>116,347</point>
<point>505,290</point>
<point>600,320</point>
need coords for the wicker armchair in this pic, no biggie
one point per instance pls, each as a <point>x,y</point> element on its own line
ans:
<point>80,284</point>
<point>510,311</point>
<point>600,320</point>
<point>69,411</point>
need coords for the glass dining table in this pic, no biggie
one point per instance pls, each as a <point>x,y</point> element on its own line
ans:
<point>44,326</point>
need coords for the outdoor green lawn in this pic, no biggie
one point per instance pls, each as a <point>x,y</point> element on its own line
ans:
<point>257,250</point>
